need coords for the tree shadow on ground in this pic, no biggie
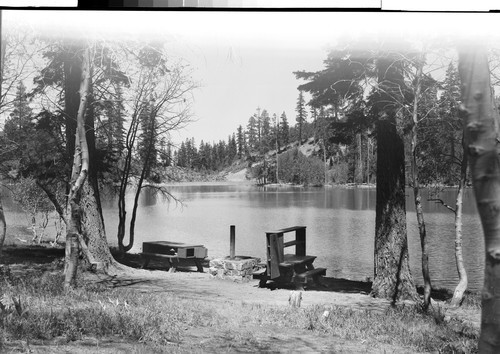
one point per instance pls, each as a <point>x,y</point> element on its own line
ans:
<point>37,254</point>
<point>45,254</point>
<point>351,286</point>
<point>328,284</point>
<point>114,281</point>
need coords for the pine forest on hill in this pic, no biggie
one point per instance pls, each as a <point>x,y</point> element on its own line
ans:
<point>332,136</point>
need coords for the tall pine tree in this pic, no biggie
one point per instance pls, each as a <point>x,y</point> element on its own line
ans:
<point>284,130</point>
<point>241,141</point>
<point>301,114</point>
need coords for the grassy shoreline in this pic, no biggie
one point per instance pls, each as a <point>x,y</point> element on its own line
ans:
<point>36,311</point>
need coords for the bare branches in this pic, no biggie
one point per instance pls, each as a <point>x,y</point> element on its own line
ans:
<point>440,201</point>
<point>156,103</point>
<point>19,62</point>
<point>163,191</point>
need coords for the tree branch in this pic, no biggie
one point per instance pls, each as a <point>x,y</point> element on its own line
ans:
<point>440,201</point>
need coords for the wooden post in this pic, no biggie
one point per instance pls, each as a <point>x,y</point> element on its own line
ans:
<point>232,241</point>
<point>300,236</point>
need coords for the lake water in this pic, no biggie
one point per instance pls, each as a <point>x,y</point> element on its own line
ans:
<point>340,226</point>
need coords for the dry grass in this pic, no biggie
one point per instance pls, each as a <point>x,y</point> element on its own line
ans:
<point>35,308</point>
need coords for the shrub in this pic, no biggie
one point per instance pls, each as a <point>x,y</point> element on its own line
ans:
<point>339,173</point>
<point>296,168</point>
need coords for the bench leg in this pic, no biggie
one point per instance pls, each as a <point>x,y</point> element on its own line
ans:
<point>300,285</point>
<point>199,267</point>
<point>317,281</point>
<point>172,264</point>
<point>145,262</point>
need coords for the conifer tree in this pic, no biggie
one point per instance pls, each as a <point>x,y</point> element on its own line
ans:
<point>284,130</point>
<point>252,133</point>
<point>301,114</point>
<point>232,148</point>
<point>241,141</point>
<point>266,137</point>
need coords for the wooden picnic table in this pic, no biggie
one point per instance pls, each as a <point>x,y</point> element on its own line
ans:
<point>171,252</point>
<point>295,268</point>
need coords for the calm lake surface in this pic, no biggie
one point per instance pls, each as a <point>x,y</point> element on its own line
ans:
<point>340,226</point>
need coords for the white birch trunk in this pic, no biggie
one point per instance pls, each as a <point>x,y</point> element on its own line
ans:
<point>79,174</point>
<point>481,134</point>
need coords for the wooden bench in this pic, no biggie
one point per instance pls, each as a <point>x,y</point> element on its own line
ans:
<point>171,252</point>
<point>295,268</point>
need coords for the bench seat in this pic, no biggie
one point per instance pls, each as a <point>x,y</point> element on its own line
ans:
<point>290,260</point>
<point>311,273</point>
<point>301,280</point>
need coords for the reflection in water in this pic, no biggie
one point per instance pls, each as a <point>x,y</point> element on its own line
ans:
<point>148,198</point>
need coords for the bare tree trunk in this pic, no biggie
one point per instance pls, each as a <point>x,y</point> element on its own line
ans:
<point>91,233</point>
<point>145,167</point>
<point>124,180</point>
<point>72,245</point>
<point>79,175</point>
<point>481,132</point>
<point>3,226</point>
<point>94,235</point>
<point>416,188</point>
<point>33,227</point>
<point>393,279</point>
<point>458,294</point>
<point>276,127</point>
<point>368,142</point>
<point>53,198</point>
<point>324,161</point>
<point>452,154</point>
<point>72,79</point>
<point>360,158</point>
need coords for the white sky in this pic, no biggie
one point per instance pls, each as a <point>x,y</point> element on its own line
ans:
<point>245,60</point>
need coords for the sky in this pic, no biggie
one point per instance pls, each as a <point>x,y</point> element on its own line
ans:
<point>246,60</point>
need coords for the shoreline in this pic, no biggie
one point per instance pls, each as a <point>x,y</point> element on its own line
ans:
<point>215,315</point>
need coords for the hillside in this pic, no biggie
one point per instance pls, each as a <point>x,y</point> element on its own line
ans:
<point>239,171</point>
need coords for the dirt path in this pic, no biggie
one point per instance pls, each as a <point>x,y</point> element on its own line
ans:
<point>201,286</point>
<point>191,285</point>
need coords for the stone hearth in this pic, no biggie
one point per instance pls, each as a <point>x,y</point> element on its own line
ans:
<point>239,269</point>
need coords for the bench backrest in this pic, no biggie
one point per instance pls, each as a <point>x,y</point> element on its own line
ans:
<point>276,245</point>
